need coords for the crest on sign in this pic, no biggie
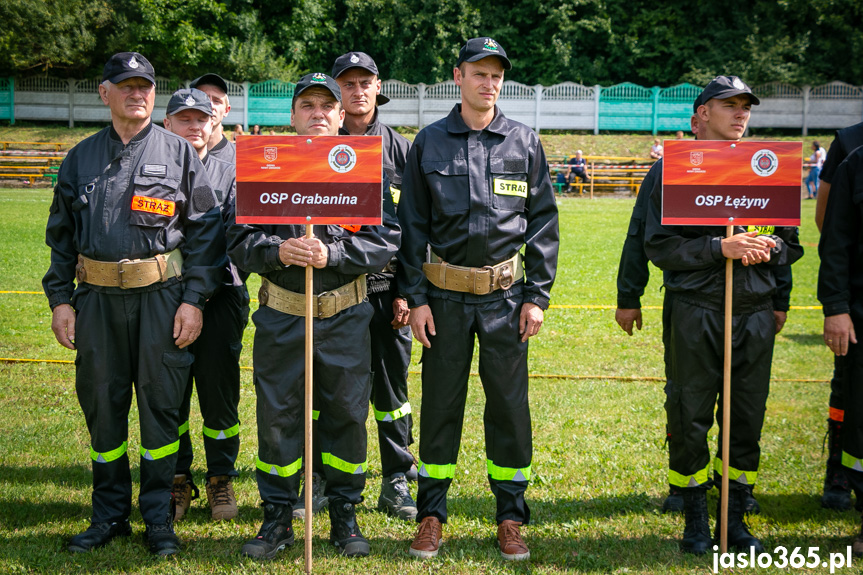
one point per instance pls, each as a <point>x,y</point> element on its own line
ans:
<point>696,158</point>
<point>271,153</point>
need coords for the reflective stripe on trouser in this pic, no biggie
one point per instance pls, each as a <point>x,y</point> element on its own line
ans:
<point>391,357</point>
<point>216,375</point>
<point>503,371</point>
<point>739,475</point>
<point>342,384</point>
<point>849,371</point>
<point>114,333</point>
<point>694,374</point>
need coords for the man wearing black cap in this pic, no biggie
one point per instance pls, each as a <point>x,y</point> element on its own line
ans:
<point>477,191</point>
<point>357,76</point>
<point>216,371</point>
<point>216,88</point>
<point>133,215</point>
<point>342,257</point>
<point>693,261</point>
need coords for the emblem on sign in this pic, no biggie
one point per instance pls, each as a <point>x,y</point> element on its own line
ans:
<point>271,153</point>
<point>342,159</point>
<point>764,163</point>
<point>696,158</point>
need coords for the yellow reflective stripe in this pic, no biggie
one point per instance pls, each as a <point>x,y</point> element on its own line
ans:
<point>342,465</point>
<point>315,414</point>
<point>392,415</point>
<point>734,474</point>
<point>221,433</point>
<point>153,454</point>
<point>680,480</point>
<point>764,230</point>
<point>396,194</point>
<point>183,428</point>
<point>108,456</point>
<point>852,462</point>
<point>507,473</point>
<point>437,471</point>
<point>273,469</point>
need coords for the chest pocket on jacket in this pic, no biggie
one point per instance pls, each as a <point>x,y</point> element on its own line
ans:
<point>509,183</point>
<point>448,184</point>
<point>154,201</point>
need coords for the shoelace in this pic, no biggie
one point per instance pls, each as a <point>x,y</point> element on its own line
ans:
<point>221,493</point>
<point>512,535</point>
<point>427,533</point>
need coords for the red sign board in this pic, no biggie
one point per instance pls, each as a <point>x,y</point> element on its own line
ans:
<point>718,183</point>
<point>309,180</point>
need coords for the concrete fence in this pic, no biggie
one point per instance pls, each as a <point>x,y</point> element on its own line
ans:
<point>566,106</point>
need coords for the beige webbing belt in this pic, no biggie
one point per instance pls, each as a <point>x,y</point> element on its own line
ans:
<point>130,273</point>
<point>479,281</point>
<point>326,304</point>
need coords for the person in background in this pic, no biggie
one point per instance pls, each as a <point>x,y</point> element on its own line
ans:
<point>578,167</point>
<point>656,149</point>
<point>818,156</point>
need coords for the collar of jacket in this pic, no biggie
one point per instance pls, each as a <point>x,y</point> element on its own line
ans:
<point>136,138</point>
<point>370,128</point>
<point>455,123</point>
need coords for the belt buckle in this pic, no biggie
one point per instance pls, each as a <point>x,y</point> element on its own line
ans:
<point>121,271</point>
<point>491,276</point>
<point>321,300</point>
<point>506,277</point>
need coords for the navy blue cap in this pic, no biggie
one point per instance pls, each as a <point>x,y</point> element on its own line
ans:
<point>723,87</point>
<point>479,48</point>
<point>358,60</point>
<point>211,80</point>
<point>317,79</point>
<point>125,65</point>
<point>189,99</point>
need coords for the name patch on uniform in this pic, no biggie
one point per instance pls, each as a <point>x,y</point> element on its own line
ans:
<point>154,170</point>
<point>396,194</point>
<point>353,228</point>
<point>763,230</point>
<point>153,206</point>
<point>510,188</point>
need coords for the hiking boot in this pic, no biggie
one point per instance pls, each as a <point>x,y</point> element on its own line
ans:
<point>183,492</point>
<point>319,500</point>
<point>750,505</point>
<point>396,498</point>
<point>674,502</point>
<point>275,534</point>
<point>98,535</point>
<point>161,539</point>
<point>837,491</point>
<point>696,533</point>
<point>739,536</point>
<point>345,533</point>
<point>428,539</point>
<point>220,495</point>
<point>512,547</point>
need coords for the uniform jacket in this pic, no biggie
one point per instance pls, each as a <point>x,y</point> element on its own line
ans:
<point>477,197</point>
<point>225,150</point>
<point>99,184</point>
<point>845,142</point>
<point>223,176</point>
<point>694,267</point>
<point>255,248</point>
<point>840,278</point>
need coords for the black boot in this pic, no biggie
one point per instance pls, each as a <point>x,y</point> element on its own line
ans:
<point>99,535</point>
<point>837,492</point>
<point>674,502</point>
<point>696,534</point>
<point>275,534</point>
<point>739,536</point>
<point>161,539</point>
<point>344,531</point>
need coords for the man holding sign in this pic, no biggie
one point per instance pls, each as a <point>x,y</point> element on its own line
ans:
<point>342,255</point>
<point>693,259</point>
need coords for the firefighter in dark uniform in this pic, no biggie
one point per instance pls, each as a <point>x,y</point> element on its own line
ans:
<point>837,491</point>
<point>357,76</point>
<point>218,146</point>
<point>279,253</point>
<point>693,261</point>
<point>133,215</point>
<point>477,191</point>
<point>216,371</point>
<point>840,291</point>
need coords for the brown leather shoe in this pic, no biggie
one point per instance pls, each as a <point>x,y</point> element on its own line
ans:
<point>512,547</point>
<point>220,495</point>
<point>182,491</point>
<point>427,539</point>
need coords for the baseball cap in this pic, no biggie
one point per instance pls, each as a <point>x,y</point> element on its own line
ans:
<point>479,48</point>
<point>189,99</point>
<point>212,80</point>
<point>317,79</point>
<point>125,65</point>
<point>358,60</point>
<point>722,87</point>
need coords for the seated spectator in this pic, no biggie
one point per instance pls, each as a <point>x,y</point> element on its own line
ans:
<point>256,130</point>
<point>578,168</point>
<point>238,131</point>
<point>678,135</point>
<point>656,149</point>
<point>562,181</point>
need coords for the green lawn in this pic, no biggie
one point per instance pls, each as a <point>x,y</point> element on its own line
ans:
<point>599,463</point>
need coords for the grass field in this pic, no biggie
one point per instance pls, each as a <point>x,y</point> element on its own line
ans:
<point>599,463</point>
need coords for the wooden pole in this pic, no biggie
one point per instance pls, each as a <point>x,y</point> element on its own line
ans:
<point>308,458</point>
<point>726,401</point>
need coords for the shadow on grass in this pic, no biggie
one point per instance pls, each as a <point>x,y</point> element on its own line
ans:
<point>810,339</point>
<point>76,476</point>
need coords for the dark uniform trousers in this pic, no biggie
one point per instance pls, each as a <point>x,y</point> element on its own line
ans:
<point>849,370</point>
<point>216,375</point>
<point>391,357</point>
<point>694,372</point>
<point>342,384</point>
<point>125,340</point>
<point>503,371</point>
